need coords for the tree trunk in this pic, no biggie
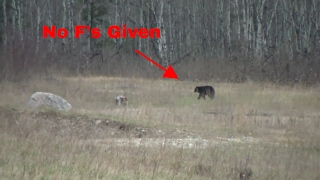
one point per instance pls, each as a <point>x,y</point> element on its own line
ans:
<point>288,31</point>
<point>220,24</point>
<point>71,25</point>
<point>141,23</point>
<point>260,41</point>
<point>14,15</point>
<point>64,19</point>
<point>20,22</point>
<point>50,24</point>
<point>245,9</point>
<point>162,44</point>
<point>5,38</point>
<point>238,25</point>
<point>228,46</point>
<point>89,23</point>
<point>170,56</point>
<point>38,30</point>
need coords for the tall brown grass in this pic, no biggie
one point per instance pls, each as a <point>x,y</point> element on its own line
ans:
<point>42,145</point>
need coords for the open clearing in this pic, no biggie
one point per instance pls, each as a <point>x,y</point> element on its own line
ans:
<point>164,133</point>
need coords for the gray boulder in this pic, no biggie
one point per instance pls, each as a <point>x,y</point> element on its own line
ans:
<point>47,99</point>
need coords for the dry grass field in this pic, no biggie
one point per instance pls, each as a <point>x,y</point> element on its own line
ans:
<point>164,133</point>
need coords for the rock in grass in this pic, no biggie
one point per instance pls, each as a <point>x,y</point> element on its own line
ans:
<point>39,99</point>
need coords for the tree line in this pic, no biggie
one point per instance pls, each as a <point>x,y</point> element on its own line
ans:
<point>234,40</point>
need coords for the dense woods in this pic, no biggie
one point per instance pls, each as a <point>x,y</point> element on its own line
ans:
<point>236,40</point>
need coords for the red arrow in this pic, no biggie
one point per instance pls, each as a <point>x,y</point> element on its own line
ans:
<point>169,73</point>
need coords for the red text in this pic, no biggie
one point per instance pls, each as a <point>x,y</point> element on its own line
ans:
<point>63,32</point>
<point>118,32</point>
<point>95,32</point>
